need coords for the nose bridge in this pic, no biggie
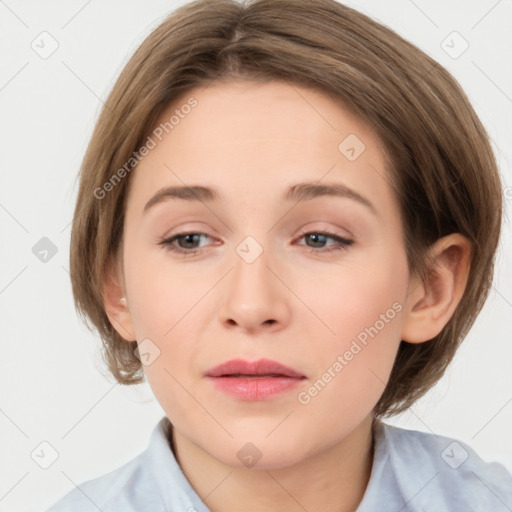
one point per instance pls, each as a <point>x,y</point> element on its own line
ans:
<point>251,272</point>
<point>254,294</point>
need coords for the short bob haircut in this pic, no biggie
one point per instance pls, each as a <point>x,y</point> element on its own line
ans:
<point>439,156</point>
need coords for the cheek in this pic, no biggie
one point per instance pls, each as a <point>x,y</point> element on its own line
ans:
<point>356,298</point>
<point>353,366</point>
<point>362,313</point>
<point>167,306</point>
<point>163,297</point>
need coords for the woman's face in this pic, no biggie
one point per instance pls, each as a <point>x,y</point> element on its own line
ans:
<point>256,278</point>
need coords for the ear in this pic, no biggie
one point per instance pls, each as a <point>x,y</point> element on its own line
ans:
<point>116,309</point>
<point>430,304</point>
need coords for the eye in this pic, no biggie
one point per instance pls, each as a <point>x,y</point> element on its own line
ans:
<point>189,238</point>
<point>319,237</point>
<point>186,242</point>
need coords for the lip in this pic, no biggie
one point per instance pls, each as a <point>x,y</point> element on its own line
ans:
<point>257,380</point>
<point>260,367</point>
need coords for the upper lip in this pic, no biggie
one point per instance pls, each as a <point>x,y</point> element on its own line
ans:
<point>260,367</point>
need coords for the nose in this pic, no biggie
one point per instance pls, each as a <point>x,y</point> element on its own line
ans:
<point>256,296</point>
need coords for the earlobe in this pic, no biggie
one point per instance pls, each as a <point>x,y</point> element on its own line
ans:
<point>115,304</point>
<point>431,303</point>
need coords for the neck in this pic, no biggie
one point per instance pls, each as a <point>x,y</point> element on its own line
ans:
<point>333,480</point>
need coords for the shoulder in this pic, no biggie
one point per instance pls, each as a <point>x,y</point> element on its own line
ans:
<point>151,481</point>
<point>438,471</point>
<point>106,490</point>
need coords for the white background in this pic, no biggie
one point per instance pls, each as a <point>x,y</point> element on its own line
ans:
<point>51,388</point>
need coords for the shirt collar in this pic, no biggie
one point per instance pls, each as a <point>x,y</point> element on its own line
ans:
<point>178,494</point>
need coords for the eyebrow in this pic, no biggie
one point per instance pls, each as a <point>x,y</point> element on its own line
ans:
<point>298,192</point>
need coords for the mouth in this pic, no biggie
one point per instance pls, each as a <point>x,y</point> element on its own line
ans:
<point>258,380</point>
<point>261,368</point>
<point>253,376</point>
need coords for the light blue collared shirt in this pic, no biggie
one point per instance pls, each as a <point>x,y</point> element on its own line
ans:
<point>412,472</point>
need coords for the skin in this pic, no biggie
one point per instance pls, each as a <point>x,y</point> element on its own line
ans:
<point>252,141</point>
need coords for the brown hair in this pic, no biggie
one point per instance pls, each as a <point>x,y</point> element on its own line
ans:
<point>440,159</point>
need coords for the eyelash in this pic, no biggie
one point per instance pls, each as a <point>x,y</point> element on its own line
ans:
<point>343,243</point>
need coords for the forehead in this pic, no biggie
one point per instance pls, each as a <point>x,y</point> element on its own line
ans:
<point>256,140</point>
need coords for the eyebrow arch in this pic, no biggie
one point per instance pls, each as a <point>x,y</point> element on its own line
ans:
<point>306,191</point>
<point>299,192</point>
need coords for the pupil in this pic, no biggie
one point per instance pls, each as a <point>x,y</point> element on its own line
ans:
<point>188,238</point>
<point>315,236</point>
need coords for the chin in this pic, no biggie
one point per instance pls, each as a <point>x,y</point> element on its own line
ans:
<point>258,452</point>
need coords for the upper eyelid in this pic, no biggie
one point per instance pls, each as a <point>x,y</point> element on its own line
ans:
<point>330,230</point>
<point>303,232</point>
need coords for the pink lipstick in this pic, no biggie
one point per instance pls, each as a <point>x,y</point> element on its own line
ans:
<point>258,380</point>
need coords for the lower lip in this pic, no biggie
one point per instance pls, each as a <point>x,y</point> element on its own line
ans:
<point>259,388</point>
